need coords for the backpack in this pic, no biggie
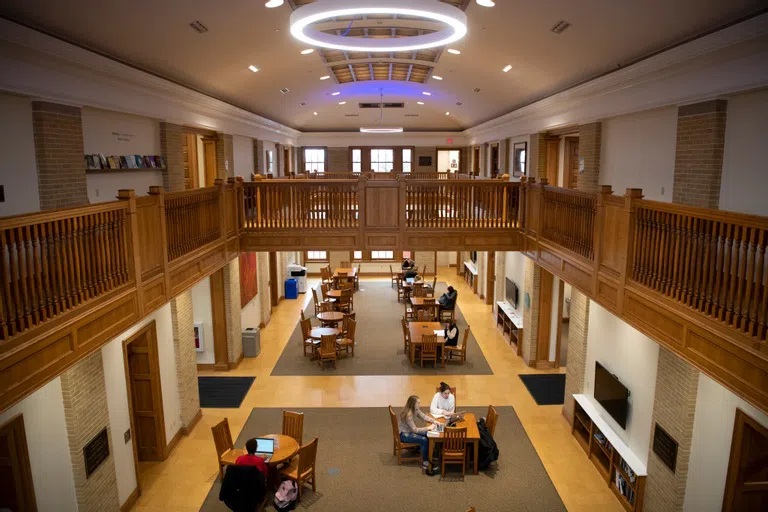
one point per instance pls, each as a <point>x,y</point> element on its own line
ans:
<point>487,452</point>
<point>287,496</point>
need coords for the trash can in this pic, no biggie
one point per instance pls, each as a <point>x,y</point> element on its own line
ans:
<point>251,342</point>
<point>291,289</point>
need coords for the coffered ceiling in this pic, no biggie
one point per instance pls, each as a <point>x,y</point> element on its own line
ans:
<point>602,35</point>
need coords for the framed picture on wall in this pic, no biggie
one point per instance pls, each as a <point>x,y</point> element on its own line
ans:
<point>425,161</point>
<point>520,157</point>
<point>199,341</point>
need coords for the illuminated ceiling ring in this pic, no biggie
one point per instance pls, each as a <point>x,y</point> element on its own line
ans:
<point>454,19</point>
<point>381,130</point>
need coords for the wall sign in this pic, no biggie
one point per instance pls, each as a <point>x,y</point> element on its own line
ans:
<point>665,447</point>
<point>124,137</point>
<point>425,161</point>
<point>96,452</point>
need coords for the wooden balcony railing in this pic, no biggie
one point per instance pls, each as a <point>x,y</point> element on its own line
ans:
<point>569,220</point>
<point>192,219</point>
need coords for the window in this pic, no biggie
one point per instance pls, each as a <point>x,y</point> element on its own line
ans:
<point>374,255</point>
<point>270,162</point>
<point>317,255</point>
<point>382,160</point>
<point>382,255</point>
<point>357,255</point>
<point>357,160</point>
<point>407,159</point>
<point>314,160</point>
<point>406,254</point>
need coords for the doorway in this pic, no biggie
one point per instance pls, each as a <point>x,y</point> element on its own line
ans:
<point>494,160</point>
<point>209,154</point>
<point>273,279</point>
<point>16,489</point>
<point>199,158</point>
<point>476,161</point>
<point>448,160</point>
<point>571,171</point>
<point>552,160</point>
<point>746,486</point>
<point>490,278</point>
<point>145,400</point>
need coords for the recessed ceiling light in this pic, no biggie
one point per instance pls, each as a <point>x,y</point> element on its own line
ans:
<point>314,113</point>
<point>507,68</point>
<point>274,3</point>
<point>253,68</point>
<point>425,93</point>
<point>303,103</point>
<point>420,102</point>
<point>335,93</point>
<point>486,3</point>
<point>326,77</point>
<point>454,51</point>
<point>307,51</point>
<point>342,103</point>
<point>447,113</point>
<point>437,77</point>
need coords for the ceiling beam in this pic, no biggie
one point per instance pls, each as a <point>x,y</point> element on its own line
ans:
<point>408,78</point>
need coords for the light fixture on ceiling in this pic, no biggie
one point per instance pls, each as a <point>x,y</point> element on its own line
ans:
<point>437,77</point>
<point>253,68</point>
<point>307,51</point>
<point>425,93</point>
<point>342,103</point>
<point>335,93</point>
<point>454,51</point>
<point>314,113</point>
<point>326,77</point>
<point>274,3</point>
<point>381,130</point>
<point>420,102</point>
<point>507,68</point>
<point>486,3</point>
<point>447,113</point>
<point>454,18</point>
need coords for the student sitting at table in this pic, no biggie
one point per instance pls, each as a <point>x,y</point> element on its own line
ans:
<point>411,273</point>
<point>443,403</point>
<point>408,263</point>
<point>251,459</point>
<point>448,299</point>
<point>451,339</point>
<point>410,433</point>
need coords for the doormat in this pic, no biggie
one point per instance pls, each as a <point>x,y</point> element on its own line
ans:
<point>546,389</point>
<point>223,392</point>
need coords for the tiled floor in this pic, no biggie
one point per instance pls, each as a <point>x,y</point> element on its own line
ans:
<point>182,481</point>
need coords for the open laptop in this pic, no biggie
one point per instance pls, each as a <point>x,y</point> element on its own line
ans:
<point>265,447</point>
<point>453,418</point>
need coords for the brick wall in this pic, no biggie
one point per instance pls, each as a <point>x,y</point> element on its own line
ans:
<point>182,322</point>
<point>531,314</point>
<point>424,151</point>
<point>578,329</point>
<point>425,258</point>
<point>85,413</point>
<point>338,160</point>
<point>172,147</point>
<point>233,310</point>
<point>674,408</point>
<point>590,136</point>
<point>699,154</point>
<point>58,131</point>
<point>225,156</point>
<point>264,293</point>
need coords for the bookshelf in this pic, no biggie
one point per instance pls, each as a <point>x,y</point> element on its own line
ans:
<point>511,324</point>
<point>617,464</point>
<point>113,171</point>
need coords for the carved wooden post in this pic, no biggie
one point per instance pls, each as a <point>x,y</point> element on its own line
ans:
<point>597,234</point>
<point>220,203</point>
<point>132,246</point>
<point>521,220</point>
<point>506,193</point>
<point>257,179</point>
<point>402,183</point>
<point>159,194</point>
<point>361,186</point>
<point>631,196</point>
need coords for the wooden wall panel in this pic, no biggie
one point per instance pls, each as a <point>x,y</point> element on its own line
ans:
<point>151,244</point>
<point>382,207</point>
<point>659,321</point>
<point>155,294</point>
<point>613,240</point>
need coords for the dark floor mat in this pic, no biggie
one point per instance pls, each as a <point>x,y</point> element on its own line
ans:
<point>546,389</point>
<point>223,392</point>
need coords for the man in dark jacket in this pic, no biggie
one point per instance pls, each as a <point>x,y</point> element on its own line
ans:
<point>243,489</point>
<point>448,299</point>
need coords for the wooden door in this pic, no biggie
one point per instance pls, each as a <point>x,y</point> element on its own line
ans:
<point>16,489</point>
<point>219,320</point>
<point>209,154</point>
<point>746,486</point>
<point>494,159</point>
<point>274,280</point>
<point>191,176</point>
<point>571,162</point>
<point>287,161</point>
<point>476,162</point>
<point>553,160</point>
<point>545,318</point>
<point>145,395</point>
<point>490,278</point>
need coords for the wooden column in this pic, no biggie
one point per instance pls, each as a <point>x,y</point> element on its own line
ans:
<point>132,249</point>
<point>219,316</point>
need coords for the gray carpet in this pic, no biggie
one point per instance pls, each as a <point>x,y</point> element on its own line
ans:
<point>356,470</point>
<point>379,347</point>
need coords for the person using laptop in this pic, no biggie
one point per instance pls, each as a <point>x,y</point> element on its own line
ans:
<point>410,433</point>
<point>251,459</point>
<point>443,403</point>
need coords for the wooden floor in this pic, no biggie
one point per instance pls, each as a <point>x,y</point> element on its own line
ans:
<point>182,482</point>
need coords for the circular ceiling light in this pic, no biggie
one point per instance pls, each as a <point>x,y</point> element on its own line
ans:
<point>307,51</point>
<point>314,113</point>
<point>486,3</point>
<point>447,113</point>
<point>274,3</point>
<point>315,12</point>
<point>381,130</point>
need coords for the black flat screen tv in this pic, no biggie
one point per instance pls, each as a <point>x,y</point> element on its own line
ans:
<point>511,294</point>
<point>611,394</point>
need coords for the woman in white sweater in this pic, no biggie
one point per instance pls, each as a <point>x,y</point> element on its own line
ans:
<point>443,403</point>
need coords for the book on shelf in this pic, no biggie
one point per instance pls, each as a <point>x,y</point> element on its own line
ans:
<point>103,160</point>
<point>123,162</point>
<point>114,162</point>
<point>139,161</point>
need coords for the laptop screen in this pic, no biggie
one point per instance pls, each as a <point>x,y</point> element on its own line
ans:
<point>265,445</point>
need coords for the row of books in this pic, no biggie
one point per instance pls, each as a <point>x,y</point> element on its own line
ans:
<point>101,161</point>
<point>624,488</point>
<point>600,438</point>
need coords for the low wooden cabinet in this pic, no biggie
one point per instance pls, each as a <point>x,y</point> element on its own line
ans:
<point>470,275</point>
<point>620,468</point>
<point>510,322</point>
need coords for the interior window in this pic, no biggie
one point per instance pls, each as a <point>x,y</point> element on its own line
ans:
<point>317,255</point>
<point>314,160</point>
<point>407,159</point>
<point>357,160</point>
<point>382,160</point>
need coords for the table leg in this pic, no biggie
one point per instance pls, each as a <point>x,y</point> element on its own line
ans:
<point>413,353</point>
<point>431,450</point>
<point>444,355</point>
<point>477,449</point>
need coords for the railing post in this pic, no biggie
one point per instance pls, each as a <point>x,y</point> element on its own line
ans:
<point>361,186</point>
<point>521,220</point>
<point>222,214</point>
<point>541,214</point>
<point>626,257</point>
<point>597,233</point>
<point>159,194</point>
<point>506,192</point>
<point>402,183</point>
<point>132,238</point>
<point>257,179</point>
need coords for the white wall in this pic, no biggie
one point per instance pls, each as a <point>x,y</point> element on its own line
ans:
<point>48,447</point>
<point>250,316</point>
<point>633,358</point>
<point>201,311</point>
<point>18,166</point>
<point>514,268</point>
<point>114,133</point>
<point>200,160</point>
<point>711,445</point>
<point>270,146</point>
<point>446,258</point>
<point>243,151</point>
<point>744,170</point>
<point>638,151</point>
<point>444,160</point>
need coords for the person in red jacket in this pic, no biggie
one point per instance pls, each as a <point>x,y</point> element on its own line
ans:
<point>251,459</point>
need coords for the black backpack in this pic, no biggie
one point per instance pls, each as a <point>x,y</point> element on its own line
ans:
<point>488,452</point>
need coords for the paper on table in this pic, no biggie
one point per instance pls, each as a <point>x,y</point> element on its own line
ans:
<point>433,433</point>
<point>439,332</point>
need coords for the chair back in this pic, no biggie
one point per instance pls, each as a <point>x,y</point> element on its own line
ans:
<point>307,456</point>
<point>424,316</point>
<point>392,275</point>
<point>324,273</point>
<point>491,419</point>
<point>324,288</point>
<point>406,332</point>
<point>346,295</point>
<point>347,318</point>
<point>351,326</point>
<point>455,439</point>
<point>306,328</point>
<point>429,344</point>
<point>325,307</point>
<point>434,283</point>
<point>345,264</point>
<point>418,290</point>
<point>302,315</point>
<point>314,296</point>
<point>453,392</point>
<point>222,437</point>
<point>293,425</point>
<point>328,344</point>
<point>395,426</point>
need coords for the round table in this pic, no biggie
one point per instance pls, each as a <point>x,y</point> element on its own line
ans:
<point>331,317</point>
<point>334,294</point>
<point>318,332</point>
<point>285,448</point>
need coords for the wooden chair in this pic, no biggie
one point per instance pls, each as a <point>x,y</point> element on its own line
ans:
<point>324,289</point>
<point>293,425</point>
<point>453,392</point>
<point>345,264</point>
<point>394,279</point>
<point>345,301</point>
<point>424,315</point>
<point>302,468</point>
<point>491,419</point>
<point>326,307</point>
<point>446,315</point>
<point>428,349</point>
<point>460,350</point>
<point>418,290</point>
<point>349,286</point>
<point>327,350</point>
<point>345,323</point>
<point>410,313</point>
<point>431,288</point>
<point>302,314</point>
<point>222,438</point>
<point>306,328</point>
<point>316,301</point>
<point>357,276</point>
<point>325,276</point>
<point>397,445</point>
<point>406,335</point>
<point>401,291</point>
<point>455,448</point>
<point>348,341</point>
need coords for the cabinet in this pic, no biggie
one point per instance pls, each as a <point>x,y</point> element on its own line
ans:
<point>470,275</point>
<point>510,322</point>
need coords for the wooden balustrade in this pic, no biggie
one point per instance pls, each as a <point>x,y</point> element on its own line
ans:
<point>286,204</point>
<point>709,260</point>
<point>192,219</point>
<point>462,204</point>
<point>568,219</point>
<point>337,175</point>
<point>53,262</point>
<point>429,176</point>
